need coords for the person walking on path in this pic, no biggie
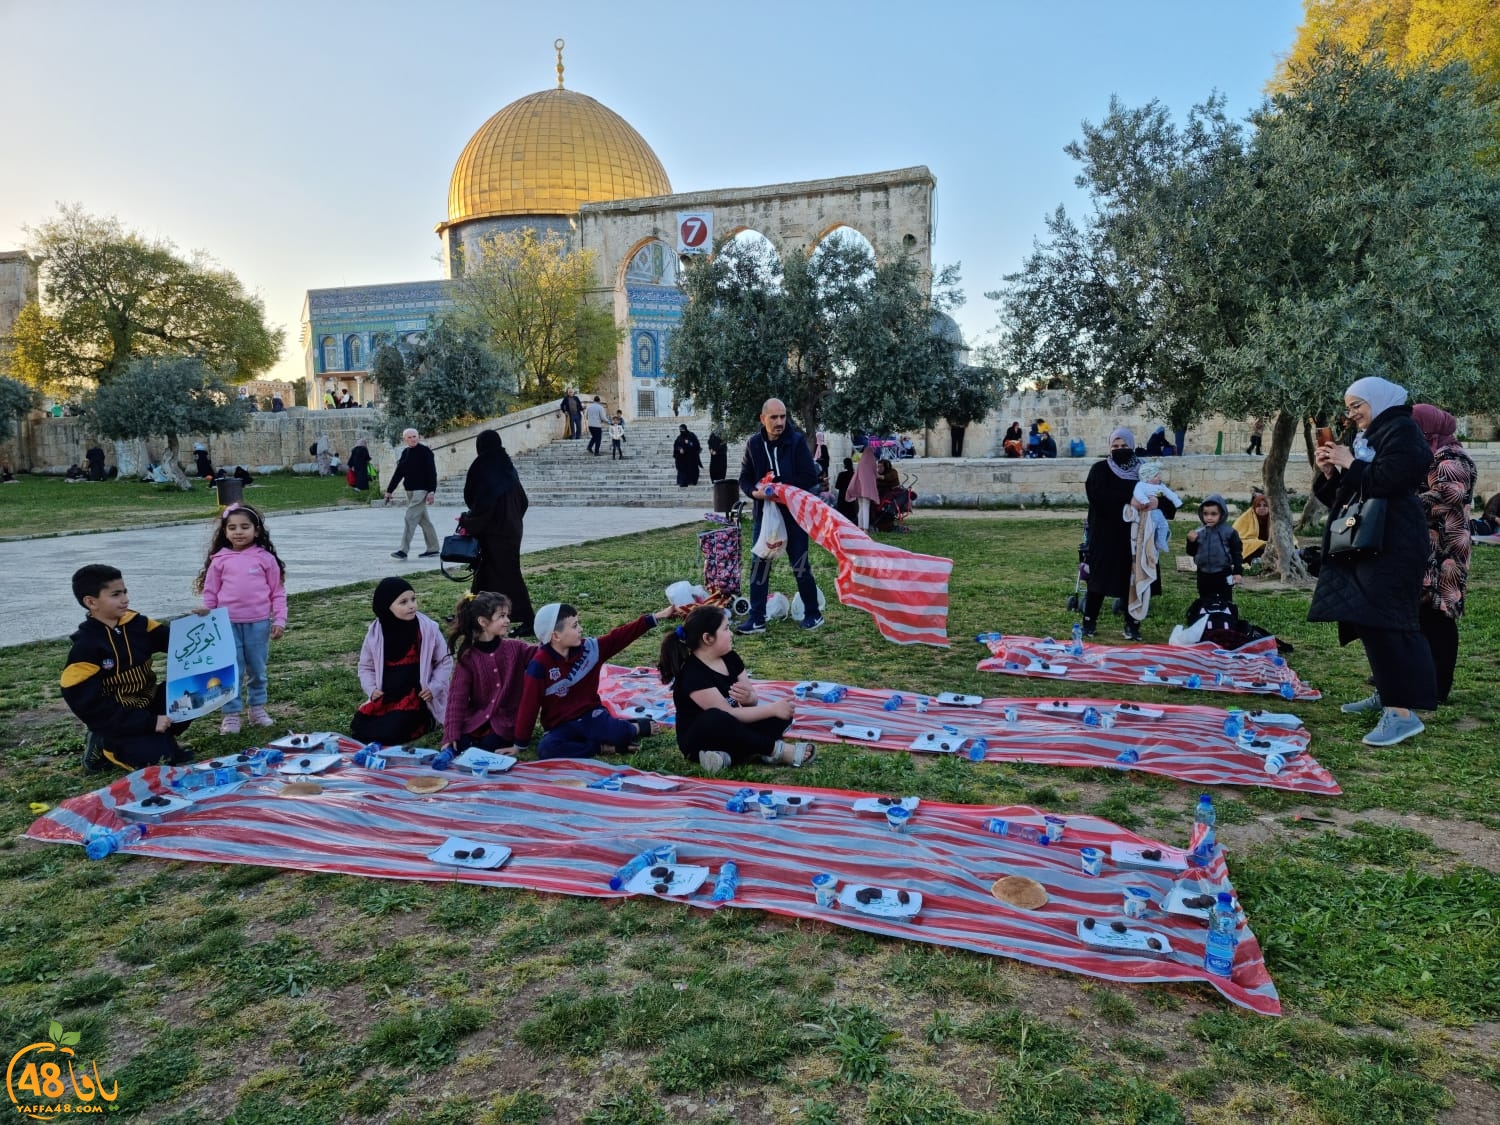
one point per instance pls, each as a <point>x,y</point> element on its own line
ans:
<point>573,408</point>
<point>417,468</point>
<point>781,451</point>
<point>597,419</point>
<point>687,456</point>
<point>359,464</point>
<point>1257,430</point>
<point>497,505</point>
<point>617,437</point>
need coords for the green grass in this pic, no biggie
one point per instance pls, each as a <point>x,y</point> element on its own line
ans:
<point>37,505</point>
<point>255,995</point>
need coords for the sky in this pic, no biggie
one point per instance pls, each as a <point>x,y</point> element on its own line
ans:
<point>309,144</point>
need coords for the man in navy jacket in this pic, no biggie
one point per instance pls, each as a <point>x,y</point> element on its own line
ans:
<point>780,450</point>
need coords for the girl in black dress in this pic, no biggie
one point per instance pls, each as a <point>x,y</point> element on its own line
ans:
<point>720,719</point>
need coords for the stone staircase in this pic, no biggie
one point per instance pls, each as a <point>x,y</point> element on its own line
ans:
<point>564,474</point>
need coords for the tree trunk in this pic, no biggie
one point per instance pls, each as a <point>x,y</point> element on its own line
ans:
<point>174,470</point>
<point>131,459</point>
<point>1281,553</point>
<point>1312,514</point>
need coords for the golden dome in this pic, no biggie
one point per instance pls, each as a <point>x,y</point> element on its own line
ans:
<point>548,153</point>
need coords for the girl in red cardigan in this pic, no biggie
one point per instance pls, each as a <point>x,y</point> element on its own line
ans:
<point>487,669</point>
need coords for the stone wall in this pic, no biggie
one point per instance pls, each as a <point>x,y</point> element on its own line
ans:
<point>1060,482</point>
<point>279,441</point>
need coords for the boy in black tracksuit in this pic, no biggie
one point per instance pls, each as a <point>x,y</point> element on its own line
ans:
<point>109,682</point>
<point>1217,551</point>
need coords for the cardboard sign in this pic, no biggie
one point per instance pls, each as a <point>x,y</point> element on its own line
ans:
<point>202,671</point>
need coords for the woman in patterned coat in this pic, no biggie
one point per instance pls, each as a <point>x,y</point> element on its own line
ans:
<point>1446,498</point>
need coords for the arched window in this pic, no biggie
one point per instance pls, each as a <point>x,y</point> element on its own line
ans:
<point>330,354</point>
<point>354,351</point>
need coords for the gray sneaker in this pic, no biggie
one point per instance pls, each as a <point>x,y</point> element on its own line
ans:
<point>1362,706</point>
<point>1393,728</point>
<point>713,761</point>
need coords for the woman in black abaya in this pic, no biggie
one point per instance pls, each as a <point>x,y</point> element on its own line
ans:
<point>497,512</point>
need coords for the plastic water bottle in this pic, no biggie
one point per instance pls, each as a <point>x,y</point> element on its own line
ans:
<point>978,748</point>
<point>444,759</point>
<point>1204,819</point>
<point>1193,681</point>
<point>727,883</point>
<point>1224,679</point>
<point>612,782</point>
<point>1077,649</point>
<point>893,703</point>
<point>1218,951</point>
<point>646,859</point>
<point>1233,724</point>
<point>102,842</point>
<point>1090,717</point>
<point>370,757</point>
<point>1128,756</point>
<point>1287,691</point>
<point>1028,832</point>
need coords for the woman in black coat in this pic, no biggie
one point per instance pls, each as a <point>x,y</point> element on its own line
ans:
<point>497,513</point>
<point>1109,487</point>
<point>686,454</point>
<point>359,465</point>
<point>718,458</point>
<point>1377,599</point>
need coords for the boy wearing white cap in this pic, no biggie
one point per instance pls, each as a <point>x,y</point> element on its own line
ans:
<point>561,686</point>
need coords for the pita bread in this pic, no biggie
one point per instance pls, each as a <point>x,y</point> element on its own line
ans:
<point>1019,891</point>
<point>426,784</point>
<point>300,789</point>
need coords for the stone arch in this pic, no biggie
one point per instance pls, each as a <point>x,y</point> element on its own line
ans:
<point>833,230</point>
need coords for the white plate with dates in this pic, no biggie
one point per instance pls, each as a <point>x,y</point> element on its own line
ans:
<point>456,851</point>
<point>308,764</point>
<point>938,742</point>
<point>880,804</point>
<point>1134,855</point>
<point>855,731</point>
<point>679,880</point>
<point>888,905</point>
<point>494,763</point>
<point>958,699</point>
<point>302,743</point>
<point>1118,937</point>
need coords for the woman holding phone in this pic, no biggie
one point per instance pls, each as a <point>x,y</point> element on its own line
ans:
<point>1376,598</point>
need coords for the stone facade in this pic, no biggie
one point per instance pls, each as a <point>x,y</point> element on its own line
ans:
<point>17,286</point>
<point>893,210</point>
<point>341,328</point>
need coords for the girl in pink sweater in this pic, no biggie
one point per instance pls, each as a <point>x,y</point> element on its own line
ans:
<point>487,672</point>
<point>244,575</point>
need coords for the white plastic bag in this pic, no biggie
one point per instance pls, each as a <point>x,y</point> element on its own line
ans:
<point>800,613</point>
<point>772,539</point>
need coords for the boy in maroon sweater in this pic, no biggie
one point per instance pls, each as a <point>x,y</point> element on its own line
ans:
<point>562,686</point>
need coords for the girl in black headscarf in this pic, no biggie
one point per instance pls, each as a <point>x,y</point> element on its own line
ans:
<point>404,668</point>
<point>497,505</point>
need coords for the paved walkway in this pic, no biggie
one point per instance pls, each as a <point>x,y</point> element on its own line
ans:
<point>320,549</point>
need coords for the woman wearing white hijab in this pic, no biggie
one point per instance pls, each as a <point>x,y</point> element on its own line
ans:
<point>1377,599</point>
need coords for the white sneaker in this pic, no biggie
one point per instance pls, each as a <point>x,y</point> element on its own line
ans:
<point>713,761</point>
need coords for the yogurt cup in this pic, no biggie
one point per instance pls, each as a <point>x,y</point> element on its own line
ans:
<point>1092,860</point>
<point>898,817</point>
<point>1137,901</point>
<point>1054,826</point>
<point>825,889</point>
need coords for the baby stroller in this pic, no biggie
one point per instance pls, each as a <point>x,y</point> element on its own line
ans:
<point>1075,599</point>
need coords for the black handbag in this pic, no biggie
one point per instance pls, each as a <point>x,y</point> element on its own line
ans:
<point>1358,529</point>
<point>462,550</point>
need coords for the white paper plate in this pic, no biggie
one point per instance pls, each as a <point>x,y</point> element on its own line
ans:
<point>227,762</point>
<point>650,782</point>
<point>815,690</point>
<point>407,755</point>
<point>1135,939</point>
<point>1137,711</point>
<point>784,801</point>
<point>682,880</point>
<point>1129,855</point>
<point>938,742</point>
<point>855,731</point>
<point>494,854</point>
<point>175,803</point>
<point>1061,707</point>
<point>1172,681</point>
<point>1173,903</point>
<point>872,804</point>
<point>1046,668</point>
<point>316,763</point>
<point>314,741</point>
<point>888,906</point>
<point>958,699</point>
<point>1274,719</point>
<point>498,763</point>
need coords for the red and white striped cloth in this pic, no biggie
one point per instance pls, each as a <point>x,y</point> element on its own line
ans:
<point>906,593</point>
<point>568,839</point>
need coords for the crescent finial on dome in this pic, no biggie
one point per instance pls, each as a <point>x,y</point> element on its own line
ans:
<point>558,46</point>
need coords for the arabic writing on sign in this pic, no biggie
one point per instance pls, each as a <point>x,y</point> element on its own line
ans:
<point>201,641</point>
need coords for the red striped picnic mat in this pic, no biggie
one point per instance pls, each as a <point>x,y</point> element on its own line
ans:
<point>906,593</point>
<point>1187,742</point>
<point>568,839</point>
<point>1254,669</point>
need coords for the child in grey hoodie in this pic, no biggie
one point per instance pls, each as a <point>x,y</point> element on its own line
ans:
<point>1216,548</point>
